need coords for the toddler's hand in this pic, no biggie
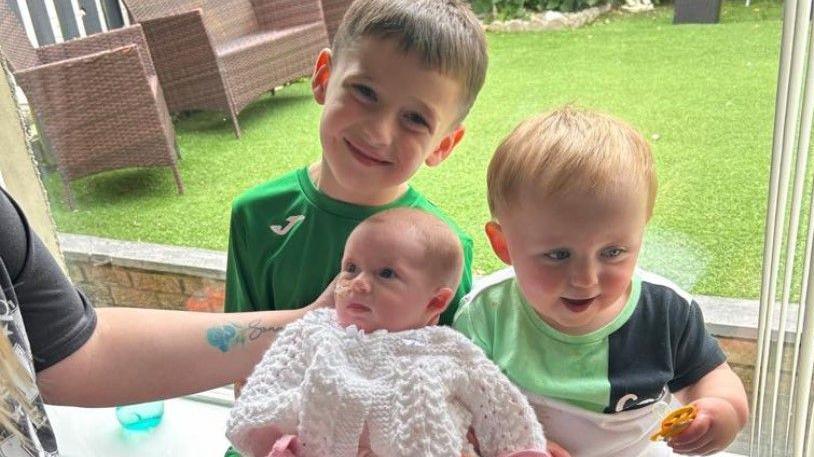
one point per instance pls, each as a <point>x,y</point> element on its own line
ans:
<point>713,429</point>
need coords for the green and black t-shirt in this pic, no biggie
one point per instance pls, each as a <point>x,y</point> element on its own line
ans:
<point>613,377</point>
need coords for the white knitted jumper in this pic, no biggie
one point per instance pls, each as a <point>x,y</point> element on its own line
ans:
<point>418,391</point>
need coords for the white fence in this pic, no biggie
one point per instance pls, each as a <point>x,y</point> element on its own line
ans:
<point>55,21</point>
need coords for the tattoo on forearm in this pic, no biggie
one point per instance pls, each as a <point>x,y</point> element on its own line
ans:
<point>227,336</point>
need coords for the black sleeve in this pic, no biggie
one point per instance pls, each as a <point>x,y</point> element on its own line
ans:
<point>696,353</point>
<point>58,318</point>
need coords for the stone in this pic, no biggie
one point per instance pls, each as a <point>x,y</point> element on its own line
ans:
<point>554,16</point>
<point>171,301</point>
<point>106,274</point>
<point>129,297</point>
<point>549,20</point>
<point>155,282</point>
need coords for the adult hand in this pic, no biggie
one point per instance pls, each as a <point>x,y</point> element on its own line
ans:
<point>326,298</point>
<point>712,430</point>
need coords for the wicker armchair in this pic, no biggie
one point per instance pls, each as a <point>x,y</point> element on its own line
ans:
<point>223,54</point>
<point>97,100</point>
<point>334,10</point>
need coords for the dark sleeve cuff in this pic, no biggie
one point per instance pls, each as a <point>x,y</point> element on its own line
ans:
<point>73,340</point>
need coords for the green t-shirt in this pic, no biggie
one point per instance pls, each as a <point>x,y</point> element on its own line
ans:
<point>286,241</point>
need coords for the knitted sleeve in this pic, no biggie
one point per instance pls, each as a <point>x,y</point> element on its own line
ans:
<point>502,418</point>
<point>270,402</point>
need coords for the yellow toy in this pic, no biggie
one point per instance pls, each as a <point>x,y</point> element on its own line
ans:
<point>675,423</point>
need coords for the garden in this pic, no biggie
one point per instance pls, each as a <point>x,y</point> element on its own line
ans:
<point>704,95</point>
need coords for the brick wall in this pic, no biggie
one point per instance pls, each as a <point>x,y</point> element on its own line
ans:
<point>111,285</point>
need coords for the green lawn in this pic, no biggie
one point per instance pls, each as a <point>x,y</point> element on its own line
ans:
<point>704,94</point>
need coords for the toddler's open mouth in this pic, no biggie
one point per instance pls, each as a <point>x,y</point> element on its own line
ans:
<point>577,305</point>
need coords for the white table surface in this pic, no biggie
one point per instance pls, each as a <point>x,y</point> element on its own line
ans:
<point>189,428</point>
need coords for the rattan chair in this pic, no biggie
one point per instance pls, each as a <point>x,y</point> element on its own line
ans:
<point>96,99</point>
<point>334,10</point>
<point>223,54</point>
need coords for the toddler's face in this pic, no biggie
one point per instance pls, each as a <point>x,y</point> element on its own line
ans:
<point>384,283</point>
<point>574,255</point>
<point>385,114</point>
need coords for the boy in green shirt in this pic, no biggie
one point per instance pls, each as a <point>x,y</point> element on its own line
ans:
<point>401,77</point>
<point>399,80</point>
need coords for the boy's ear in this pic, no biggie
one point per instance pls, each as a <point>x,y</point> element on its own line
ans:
<point>445,147</point>
<point>438,303</point>
<point>322,72</point>
<point>498,241</point>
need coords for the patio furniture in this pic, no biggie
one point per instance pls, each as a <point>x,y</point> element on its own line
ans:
<point>334,10</point>
<point>223,54</point>
<point>97,100</point>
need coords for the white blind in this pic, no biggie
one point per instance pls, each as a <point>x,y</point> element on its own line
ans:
<point>781,399</point>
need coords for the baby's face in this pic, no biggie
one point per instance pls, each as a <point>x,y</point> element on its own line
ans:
<point>384,283</point>
<point>574,255</point>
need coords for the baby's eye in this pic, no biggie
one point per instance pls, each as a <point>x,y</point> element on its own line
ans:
<point>613,252</point>
<point>387,273</point>
<point>416,119</point>
<point>364,92</point>
<point>350,268</point>
<point>557,254</point>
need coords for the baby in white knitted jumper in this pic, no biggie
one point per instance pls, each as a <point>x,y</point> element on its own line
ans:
<point>376,376</point>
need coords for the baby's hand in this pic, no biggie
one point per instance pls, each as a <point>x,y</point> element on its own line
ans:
<point>712,430</point>
<point>556,450</point>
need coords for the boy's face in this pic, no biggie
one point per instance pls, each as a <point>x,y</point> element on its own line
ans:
<point>385,284</point>
<point>574,255</point>
<point>385,115</point>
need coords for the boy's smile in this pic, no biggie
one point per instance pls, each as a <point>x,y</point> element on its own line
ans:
<point>573,254</point>
<point>384,115</point>
<point>366,158</point>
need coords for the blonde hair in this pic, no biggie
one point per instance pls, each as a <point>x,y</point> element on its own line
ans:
<point>442,248</point>
<point>445,34</point>
<point>567,150</point>
<point>15,380</point>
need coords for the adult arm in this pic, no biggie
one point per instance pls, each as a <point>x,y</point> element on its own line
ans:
<point>88,357</point>
<point>136,355</point>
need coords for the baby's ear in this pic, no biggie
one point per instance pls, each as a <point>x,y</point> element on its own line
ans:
<point>439,302</point>
<point>321,75</point>
<point>498,241</point>
<point>445,147</point>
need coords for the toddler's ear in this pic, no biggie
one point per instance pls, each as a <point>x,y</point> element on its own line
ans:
<point>445,147</point>
<point>322,72</point>
<point>498,241</point>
